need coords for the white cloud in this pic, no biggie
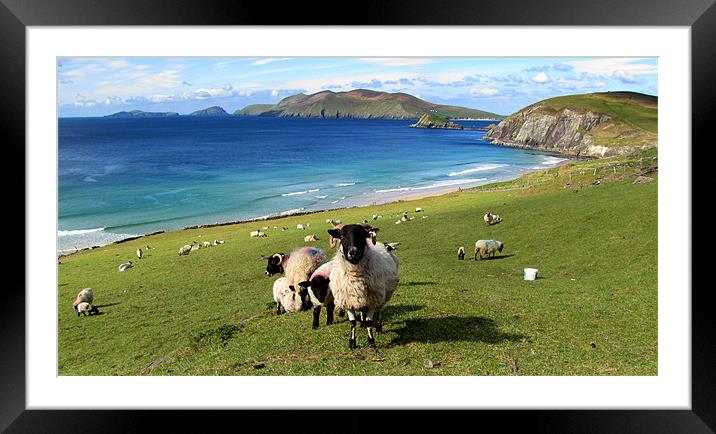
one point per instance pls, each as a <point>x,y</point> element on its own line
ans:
<point>157,97</point>
<point>608,67</point>
<point>118,64</point>
<point>274,92</point>
<point>542,77</point>
<point>269,60</point>
<point>397,61</point>
<point>483,91</point>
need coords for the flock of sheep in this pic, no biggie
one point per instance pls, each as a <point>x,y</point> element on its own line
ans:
<point>485,248</point>
<point>359,280</point>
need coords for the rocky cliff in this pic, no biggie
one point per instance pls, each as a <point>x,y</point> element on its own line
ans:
<point>430,120</point>
<point>591,125</point>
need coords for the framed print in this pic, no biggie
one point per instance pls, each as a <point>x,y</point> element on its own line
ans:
<point>309,214</point>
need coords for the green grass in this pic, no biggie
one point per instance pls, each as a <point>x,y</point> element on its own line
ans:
<point>592,311</point>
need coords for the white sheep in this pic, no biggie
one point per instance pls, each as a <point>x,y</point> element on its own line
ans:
<point>310,238</point>
<point>139,253</point>
<point>84,296</point>
<point>185,249</point>
<point>195,247</point>
<point>418,210</point>
<point>257,233</point>
<point>205,244</point>
<point>491,219</point>
<point>461,253</point>
<point>217,242</point>
<point>286,297</point>
<point>363,278</point>
<point>86,309</point>
<point>488,248</point>
<point>125,266</point>
<point>300,226</point>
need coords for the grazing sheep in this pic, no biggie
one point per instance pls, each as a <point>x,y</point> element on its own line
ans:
<point>125,266</point>
<point>148,247</point>
<point>205,244</point>
<point>363,278</point>
<point>301,263</point>
<point>286,297</point>
<point>488,247</point>
<point>257,233</point>
<point>376,216</point>
<point>139,253</point>
<point>491,219</point>
<point>461,253</point>
<point>185,249</point>
<point>284,229</point>
<point>300,226</point>
<point>265,228</point>
<point>195,247</point>
<point>333,222</point>
<point>418,210</point>
<point>310,238</point>
<point>217,242</point>
<point>392,246</point>
<point>84,296</point>
<point>86,309</point>
<point>319,293</point>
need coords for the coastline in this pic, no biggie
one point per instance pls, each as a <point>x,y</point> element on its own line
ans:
<point>395,196</point>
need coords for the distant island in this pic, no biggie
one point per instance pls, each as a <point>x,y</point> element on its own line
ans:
<point>142,114</point>
<point>361,104</point>
<point>431,120</point>
<point>210,112</point>
<point>590,125</point>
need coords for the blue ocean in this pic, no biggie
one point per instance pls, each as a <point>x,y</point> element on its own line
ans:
<point>126,177</point>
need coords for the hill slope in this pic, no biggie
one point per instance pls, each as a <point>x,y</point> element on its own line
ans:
<point>361,103</point>
<point>211,111</point>
<point>595,124</point>
<point>141,114</point>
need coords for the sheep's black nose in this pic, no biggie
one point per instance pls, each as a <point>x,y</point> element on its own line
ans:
<point>352,253</point>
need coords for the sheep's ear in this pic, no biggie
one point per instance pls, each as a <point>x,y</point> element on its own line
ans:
<point>335,233</point>
<point>304,284</point>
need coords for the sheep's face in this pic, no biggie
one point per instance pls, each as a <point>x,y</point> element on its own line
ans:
<point>500,247</point>
<point>274,265</point>
<point>353,241</point>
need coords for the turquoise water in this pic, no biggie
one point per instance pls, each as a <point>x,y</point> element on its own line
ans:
<point>126,177</point>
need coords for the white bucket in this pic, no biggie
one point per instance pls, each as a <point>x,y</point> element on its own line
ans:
<point>530,273</point>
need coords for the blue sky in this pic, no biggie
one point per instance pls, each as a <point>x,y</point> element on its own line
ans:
<point>99,86</point>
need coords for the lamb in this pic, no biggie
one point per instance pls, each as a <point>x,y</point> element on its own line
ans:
<point>461,253</point>
<point>487,248</point>
<point>185,249</point>
<point>285,296</point>
<point>257,233</point>
<point>125,266</point>
<point>491,219</point>
<point>84,296</point>
<point>363,278</point>
<point>139,253</point>
<point>86,309</point>
<point>310,238</point>
<point>319,293</point>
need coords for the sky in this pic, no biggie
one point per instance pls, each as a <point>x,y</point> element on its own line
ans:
<point>99,86</point>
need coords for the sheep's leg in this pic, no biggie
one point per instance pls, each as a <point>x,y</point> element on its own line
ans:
<point>330,307</point>
<point>341,313</point>
<point>278,308</point>
<point>369,325</point>
<point>379,321</point>
<point>352,321</point>
<point>316,315</point>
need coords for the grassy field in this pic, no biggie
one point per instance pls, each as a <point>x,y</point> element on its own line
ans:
<point>592,311</point>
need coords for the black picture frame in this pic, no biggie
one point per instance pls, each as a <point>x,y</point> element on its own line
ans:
<point>16,15</point>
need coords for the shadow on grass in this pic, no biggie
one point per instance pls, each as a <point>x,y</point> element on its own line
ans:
<point>395,310</point>
<point>496,257</point>
<point>107,305</point>
<point>417,283</point>
<point>451,328</point>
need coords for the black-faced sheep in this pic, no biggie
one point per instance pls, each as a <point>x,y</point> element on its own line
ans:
<point>257,233</point>
<point>320,294</point>
<point>275,263</point>
<point>125,266</point>
<point>488,248</point>
<point>139,253</point>
<point>461,253</point>
<point>85,308</point>
<point>363,278</point>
